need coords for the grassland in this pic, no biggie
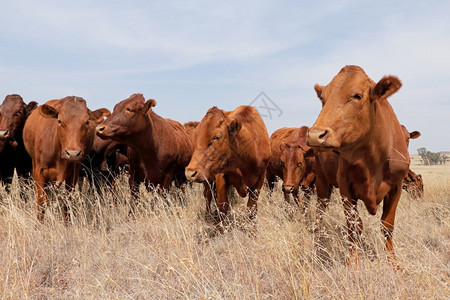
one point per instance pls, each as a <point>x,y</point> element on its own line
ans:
<point>164,252</point>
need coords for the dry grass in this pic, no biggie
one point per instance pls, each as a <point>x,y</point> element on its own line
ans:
<point>165,253</point>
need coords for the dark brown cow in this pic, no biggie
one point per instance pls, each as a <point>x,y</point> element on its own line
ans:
<point>13,114</point>
<point>58,135</point>
<point>291,160</point>
<point>412,183</point>
<point>160,148</point>
<point>104,163</point>
<point>232,148</point>
<point>358,123</point>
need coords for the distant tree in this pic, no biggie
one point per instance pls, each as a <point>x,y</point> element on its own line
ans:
<point>434,158</point>
<point>431,158</point>
<point>423,154</point>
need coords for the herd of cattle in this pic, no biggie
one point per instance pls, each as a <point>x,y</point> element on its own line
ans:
<point>356,144</point>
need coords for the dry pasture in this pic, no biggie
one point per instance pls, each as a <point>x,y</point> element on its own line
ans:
<point>164,252</point>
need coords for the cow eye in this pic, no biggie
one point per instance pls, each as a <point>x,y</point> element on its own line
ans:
<point>61,123</point>
<point>357,96</point>
<point>130,110</point>
<point>18,113</point>
<point>299,164</point>
<point>87,122</point>
<point>217,137</point>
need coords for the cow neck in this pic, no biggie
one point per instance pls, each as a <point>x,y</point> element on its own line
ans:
<point>373,147</point>
<point>147,144</point>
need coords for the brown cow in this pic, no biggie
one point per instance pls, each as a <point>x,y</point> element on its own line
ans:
<point>160,148</point>
<point>412,183</point>
<point>104,163</point>
<point>358,123</point>
<point>291,160</point>
<point>13,114</point>
<point>58,135</point>
<point>231,148</point>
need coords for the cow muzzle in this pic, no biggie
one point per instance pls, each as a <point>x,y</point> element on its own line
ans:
<point>5,135</point>
<point>288,189</point>
<point>322,137</point>
<point>73,155</point>
<point>194,175</point>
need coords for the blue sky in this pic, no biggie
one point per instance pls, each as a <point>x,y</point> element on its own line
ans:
<point>192,55</point>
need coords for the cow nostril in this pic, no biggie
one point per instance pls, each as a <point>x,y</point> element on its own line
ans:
<point>193,174</point>
<point>323,134</point>
<point>100,128</point>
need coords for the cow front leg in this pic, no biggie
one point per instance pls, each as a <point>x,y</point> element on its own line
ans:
<point>354,227</point>
<point>222,199</point>
<point>388,219</point>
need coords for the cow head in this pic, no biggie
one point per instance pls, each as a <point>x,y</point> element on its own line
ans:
<point>129,117</point>
<point>76,126</point>
<point>13,114</point>
<point>348,104</point>
<point>213,148</point>
<point>293,163</point>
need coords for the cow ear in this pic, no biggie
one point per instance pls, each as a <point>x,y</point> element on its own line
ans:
<point>98,115</point>
<point>149,104</point>
<point>319,90</point>
<point>234,128</point>
<point>414,135</point>
<point>49,112</point>
<point>387,86</point>
<point>30,107</point>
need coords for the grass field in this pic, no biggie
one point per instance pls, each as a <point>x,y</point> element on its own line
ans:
<point>164,252</point>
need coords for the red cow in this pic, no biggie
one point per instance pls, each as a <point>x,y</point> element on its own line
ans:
<point>58,135</point>
<point>13,114</point>
<point>231,148</point>
<point>412,183</point>
<point>358,123</point>
<point>160,148</point>
<point>292,160</point>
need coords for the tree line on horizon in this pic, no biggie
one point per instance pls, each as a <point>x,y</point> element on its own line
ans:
<point>432,158</point>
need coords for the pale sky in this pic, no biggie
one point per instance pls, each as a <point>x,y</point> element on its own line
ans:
<point>192,55</point>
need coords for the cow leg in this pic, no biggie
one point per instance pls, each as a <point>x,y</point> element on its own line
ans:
<point>354,227</point>
<point>222,198</point>
<point>323,199</point>
<point>208,190</point>
<point>388,219</point>
<point>71,182</point>
<point>41,195</point>
<point>252,204</point>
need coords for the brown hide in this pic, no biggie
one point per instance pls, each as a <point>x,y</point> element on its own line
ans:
<point>232,148</point>
<point>58,135</point>
<point>190,128</point>
<point>412,183</point>
<point>161,148</point>
<point>358,123</point>
<point>13,114</point>
<point>291,160</point>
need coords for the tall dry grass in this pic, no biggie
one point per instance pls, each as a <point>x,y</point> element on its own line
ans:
<point>164,252</point>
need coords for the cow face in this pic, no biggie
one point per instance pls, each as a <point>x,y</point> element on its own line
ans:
<point>293,164</point>
<point>348,104</point>
<point>76,126</point>
<point>128,119</point>
<point>214,140</point>
<point>13,114</point>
